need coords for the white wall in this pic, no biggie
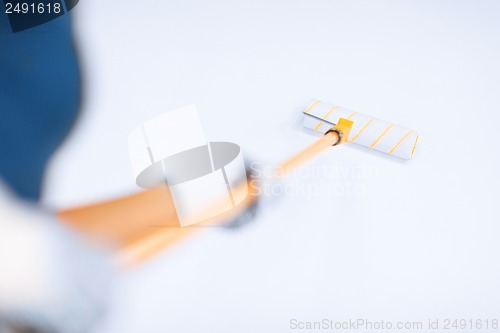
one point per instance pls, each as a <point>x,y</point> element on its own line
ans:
<point>419,242</point>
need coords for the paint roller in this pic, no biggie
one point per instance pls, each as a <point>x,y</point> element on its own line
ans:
<point>366,131</point>
<point>141,223</point>
<point>340,125</point>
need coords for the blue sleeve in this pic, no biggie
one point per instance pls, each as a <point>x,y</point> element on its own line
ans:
<point>39,99</point>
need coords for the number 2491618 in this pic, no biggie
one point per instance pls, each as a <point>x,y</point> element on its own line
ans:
<point>32,8</point>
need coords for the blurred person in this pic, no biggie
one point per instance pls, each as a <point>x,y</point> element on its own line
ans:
<point>50,281</point>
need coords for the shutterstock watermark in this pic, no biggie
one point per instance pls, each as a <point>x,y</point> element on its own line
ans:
<point>311,180</point>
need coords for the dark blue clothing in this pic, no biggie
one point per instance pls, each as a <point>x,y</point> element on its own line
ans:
<point>39,99</point>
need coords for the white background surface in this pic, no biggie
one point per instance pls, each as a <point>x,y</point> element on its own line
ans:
<point>421,240</point>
